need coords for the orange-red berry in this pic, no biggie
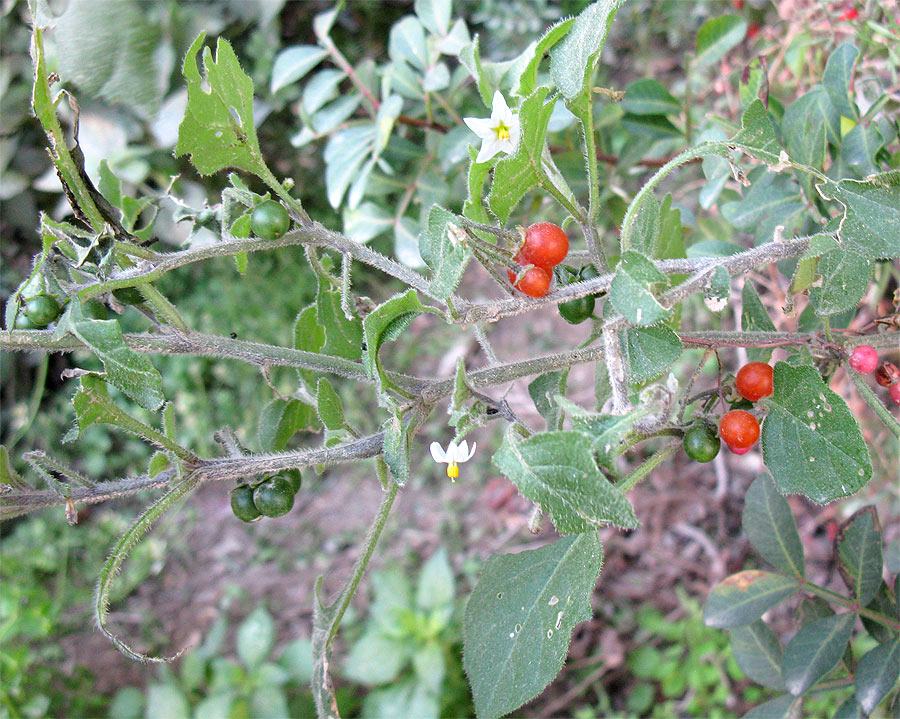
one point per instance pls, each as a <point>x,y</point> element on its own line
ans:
<point>739,429</point>
<point>754,381</point>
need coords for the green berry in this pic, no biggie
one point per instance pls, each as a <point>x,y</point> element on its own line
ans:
<point>42,310</point>
<point>295,478</point>
<point>23,323</point>
<point>242,504</point>
<point>269,220</point>
<point>274,497</point>
<point>128,296</point>
<point>575,311</point>
<point>701,443</point>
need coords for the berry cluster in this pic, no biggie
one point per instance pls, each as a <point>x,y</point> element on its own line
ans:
<point>545,246</point>
<point>40,311</point>
<point>864,359</point>
<point>272,497</point>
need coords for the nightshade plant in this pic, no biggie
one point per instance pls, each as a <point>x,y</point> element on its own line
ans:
<point>820,197</point>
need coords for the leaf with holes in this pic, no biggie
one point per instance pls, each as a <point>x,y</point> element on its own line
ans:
<point>519,620</point>
<point>557,470</point>
<point>217,130</point>
<point>811,441</point>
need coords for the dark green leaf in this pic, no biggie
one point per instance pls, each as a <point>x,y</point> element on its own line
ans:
<point>757,135</point>
<point>649,97</point>
<point>837,77</point>
<point>280,420</point>
<point>127,370</point>
<point>328,405</point>
<point>557,470</point>
<point>520,617</point>
<point>383,323</point>
<point>744,597</point>
<point>543,390</point>
<point>849,709</point>
<point>769,525</point>
<point>876,674</point>
<point>650,351</point>
<point>772,200</point>
<point>859,148</point>
<point>886,605</point>
<point>779,708</point>
<point>518,173</point>
<point>811,441</point>
<point>573,61</point>
<point>606,432</point>
<point>396,448</point>
<point>815,650</point>
<point>343,337</point>
<point>755,317</point>
<point>631,290</point>
<point>871,222</point>
<point>758,654</point>
<point>858,544</point>
<point>844,278</point>
<point>717,36</point>
<point>814,107</point>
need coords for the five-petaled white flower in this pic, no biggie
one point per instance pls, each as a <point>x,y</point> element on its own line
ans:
<point>499,132</point>
<point>454,456</point>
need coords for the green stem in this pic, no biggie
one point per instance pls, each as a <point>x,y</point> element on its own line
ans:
<point>278,188</point>
<point>876,404</point>
<point>34,403</point>
<point>163,307</point>
<point>848,604</point>
<point>359,569</point>
<point>630,480</point>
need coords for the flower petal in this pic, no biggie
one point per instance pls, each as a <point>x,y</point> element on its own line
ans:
<point>499,109</point>
<point>462,451</point>
<point>489,148</point>
<point>481,126</point>
<point>468,454</point>
<point>437,453</point>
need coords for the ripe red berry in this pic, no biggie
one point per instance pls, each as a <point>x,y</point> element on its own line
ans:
<point>752,30</point>
<point>754,380</point>
<point>534,283</point>
<point>849,15</point>
<point>887,375</point>
<point>739,429</point>
<point>864,359</point>
<point>546,245</point>
<point>894,392</point>
<point>738,450</point>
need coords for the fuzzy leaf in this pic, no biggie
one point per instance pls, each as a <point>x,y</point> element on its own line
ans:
<point>631,290</point>
<point>443,252</point>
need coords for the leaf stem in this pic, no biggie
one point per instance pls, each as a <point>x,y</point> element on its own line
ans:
<point>631,479</point>
<point>848,604</point>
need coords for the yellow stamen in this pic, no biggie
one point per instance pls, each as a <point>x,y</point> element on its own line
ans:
<point>502,132</point>
<point>453,470</point>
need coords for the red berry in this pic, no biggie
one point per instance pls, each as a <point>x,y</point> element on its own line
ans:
<point>534,283</point>
<point>864,359</point>
<point>754,380</point>
<point>894,392</point>
<point>546,245</point>
<point>739,429</point>
<point>752,30</point>
<point>849,15</point>
<point>738,450</point>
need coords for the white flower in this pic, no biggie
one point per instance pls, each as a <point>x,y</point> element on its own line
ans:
<point>454,456</point>
<point>499,133</point>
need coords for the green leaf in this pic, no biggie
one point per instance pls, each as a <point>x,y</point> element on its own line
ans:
<point>849,709</point>
<point>126,370</point>
<point>217,130</point>
<point>443,250</point>
<point>402,700</point>
<point>650,351</point>
<point>293,63</point>
<point>757,135</point>
<point>436,588</point>
<point>876,674</point>
<point>606,432</point>
<point>434,15</point>
<point>255,638</point>
<point>717,36</point>
<point>811,441</point>
<point>844,278</point>
<point>470,57</point>
<point>268,702</point>
<point>885,604</point>
<point>396,448</point>
<point>645,235</point>
<point>630,292</point>
<point>527,80</point>
<point>518,173</point>
<point>859,148</point>
<point>407,43</point>
<point>309,336</point>
<point>754,83</point>
<point>376,658</point>
<point>769,525</point>
<point>343,337</point>
<point>744,597</point>
<point>811,109</point>
<point>166,701</point>
<point>858,544</point>
<point>758,653</point>
<point>772,200</point>
<point>837,76</point>
<point>871,222</point>
<point>344,154</point>
<point>385,323</point>
<point>296,660</point>
<point>519,620</point>
<point>779,708</point>
<point>128,703</point>
<point>328,405</point>
<point>8,473</point>
<point>473,207</point>
<point>649,97</point>
<point>367,221</point>
<point>406,242</point>
<point>430,666</point>
<point>543,391</point>
<point>573,61</point>
<point>755,318</point>
<point>815,650</point>
<point>280,420</point>
<point>806,138</point>
<point>557,470</point>
<point>322,87</point>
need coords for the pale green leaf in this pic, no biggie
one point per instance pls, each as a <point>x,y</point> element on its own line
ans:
<point>649,96</point>
<point>649,351</point>
<point>717,36</point>
<point>292,63</point>
<point>631,290</point>
<point>443,249</point>
<point>255,638</point>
